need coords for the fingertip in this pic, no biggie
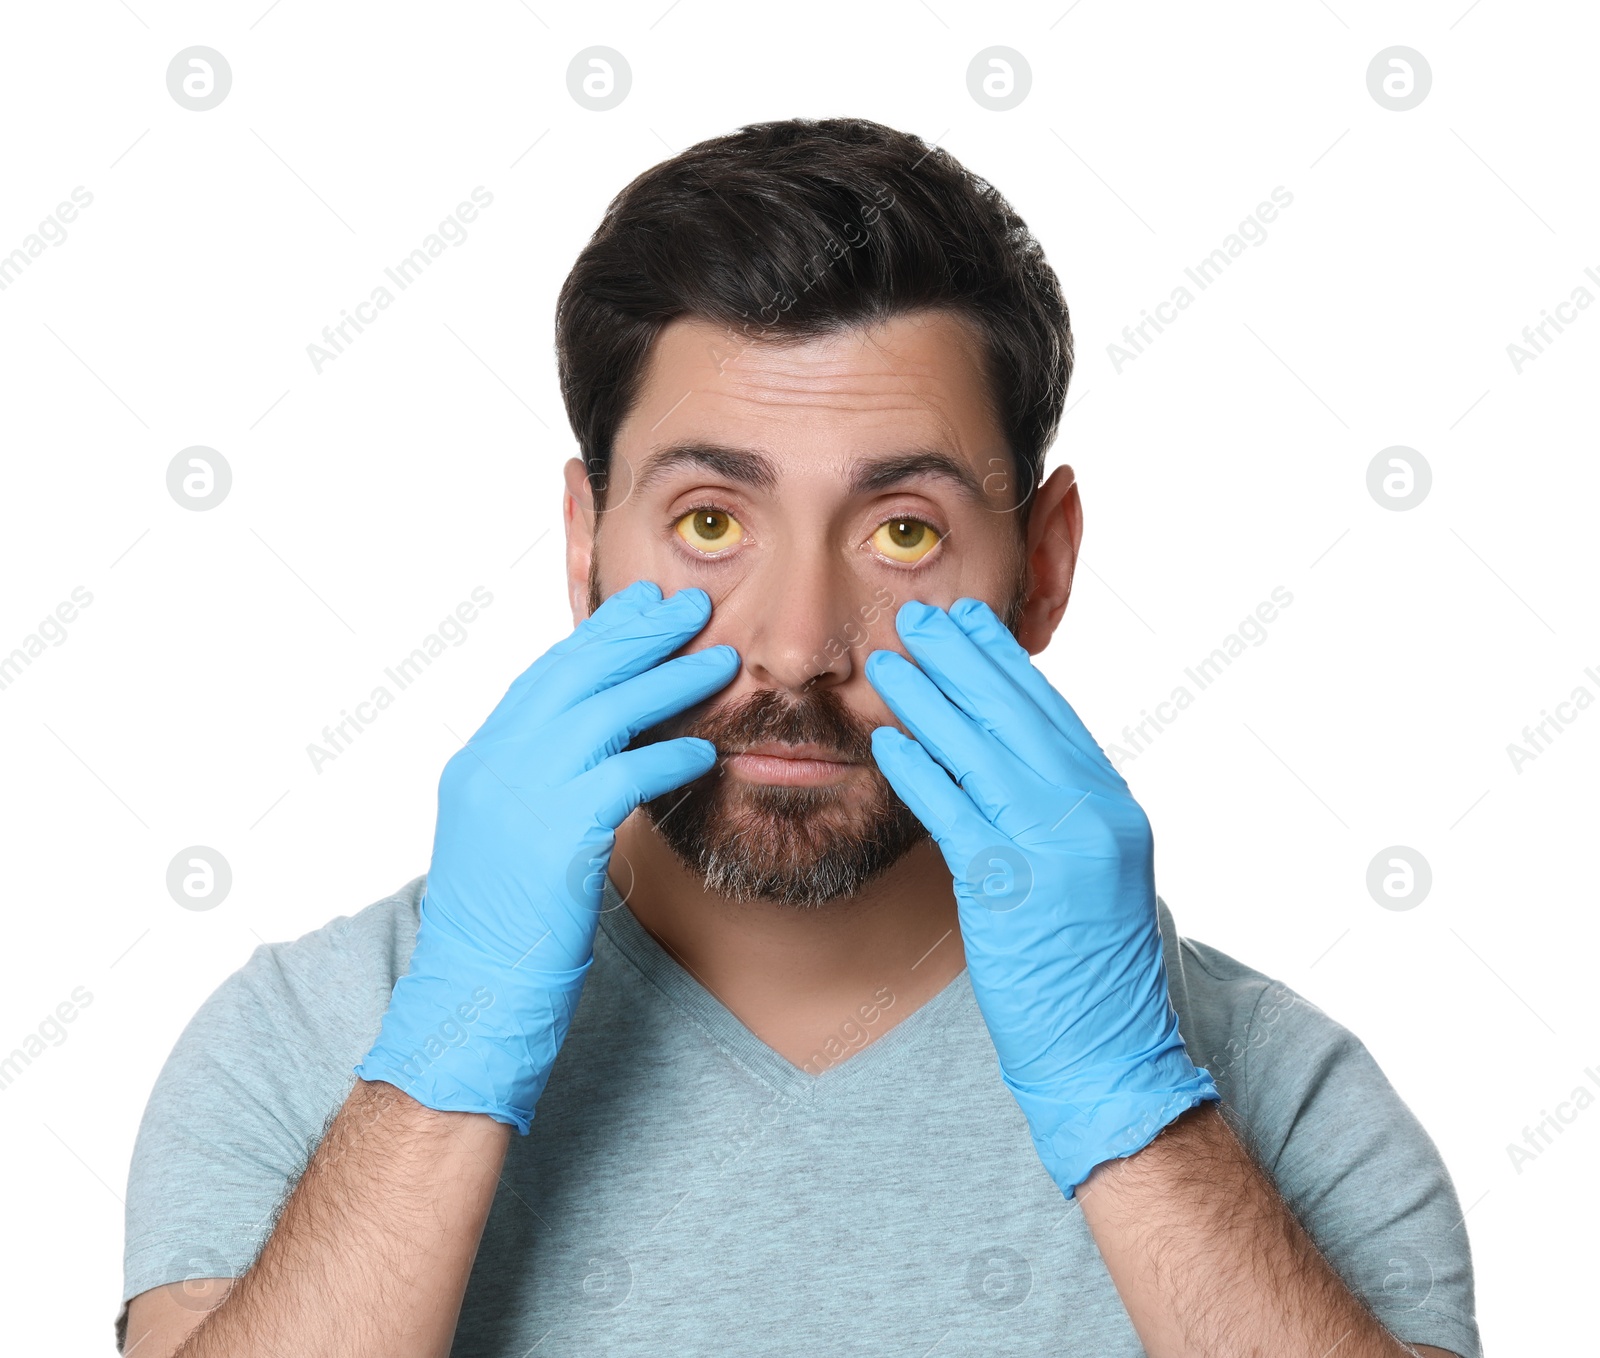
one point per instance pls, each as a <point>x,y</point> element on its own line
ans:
<point>720,660</point>
<point>884,665</point>
<point>638,594</point>
<point>986,630</point>
<point>887,753</point>
<point>913,613</point>
<point>691,595</point>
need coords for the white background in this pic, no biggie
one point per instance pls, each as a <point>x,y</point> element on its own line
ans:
<point>1229,458</point>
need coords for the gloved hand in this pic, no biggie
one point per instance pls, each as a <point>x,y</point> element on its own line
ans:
<point>528,810</point>
<point>1053,864</point>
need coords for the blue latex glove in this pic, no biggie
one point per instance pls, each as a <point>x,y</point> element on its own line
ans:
<point>528,810</point>
<point>1053,864</point>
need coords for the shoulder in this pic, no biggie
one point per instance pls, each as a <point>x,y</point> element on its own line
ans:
<point>344,963</point>
<point>1223,1005</point>
<point>319,988</point>
<point>1280,1062</point>
<point>278,1039</point>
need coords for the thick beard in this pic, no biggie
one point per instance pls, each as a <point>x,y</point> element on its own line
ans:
<point>799,846</point>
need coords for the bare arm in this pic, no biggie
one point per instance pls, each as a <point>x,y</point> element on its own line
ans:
<point>374,1248</point>
<point>1208,1258</point>
<point>371,1254</point>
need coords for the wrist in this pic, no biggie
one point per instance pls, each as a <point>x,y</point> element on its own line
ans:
<point>466,1033</point>
<point>1110,1110</point>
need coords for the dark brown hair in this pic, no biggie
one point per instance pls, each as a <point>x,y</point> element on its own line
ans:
<point>786,231</point>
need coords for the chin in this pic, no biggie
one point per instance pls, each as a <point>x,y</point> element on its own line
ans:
<point>790,845</point>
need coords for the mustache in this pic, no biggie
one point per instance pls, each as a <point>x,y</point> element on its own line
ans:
<point>820,718</point>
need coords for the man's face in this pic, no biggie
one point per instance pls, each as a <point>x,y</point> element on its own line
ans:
<point>810,490</point>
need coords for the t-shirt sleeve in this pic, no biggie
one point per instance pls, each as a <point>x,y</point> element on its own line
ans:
<point>1355,1166</point>
<point>248,1091</point>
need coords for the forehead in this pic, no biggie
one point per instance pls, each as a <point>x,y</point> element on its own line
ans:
<point>914,380</point>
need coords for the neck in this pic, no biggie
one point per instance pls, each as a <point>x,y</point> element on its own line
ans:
<point>802,979</point>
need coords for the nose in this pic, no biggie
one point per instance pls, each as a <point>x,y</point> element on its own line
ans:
<point>804,626</point>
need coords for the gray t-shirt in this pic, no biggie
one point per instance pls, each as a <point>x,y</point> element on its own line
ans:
<point>685,1189</point>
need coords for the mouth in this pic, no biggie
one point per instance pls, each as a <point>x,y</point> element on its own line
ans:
<point>776,762</point>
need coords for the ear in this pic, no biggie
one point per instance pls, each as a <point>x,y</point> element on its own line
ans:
<point>1055,528</point>
<point>577,517</point>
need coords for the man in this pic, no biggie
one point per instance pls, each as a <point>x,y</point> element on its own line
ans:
<point>789,976</point>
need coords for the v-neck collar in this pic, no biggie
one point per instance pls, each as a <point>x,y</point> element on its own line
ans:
<point>742,1046</point>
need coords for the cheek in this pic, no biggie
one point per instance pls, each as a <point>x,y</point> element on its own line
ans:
<point>873,625</point>
<point>630,548</point>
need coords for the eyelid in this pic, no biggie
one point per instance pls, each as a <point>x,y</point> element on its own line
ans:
<point>721,507</point>
<point>915,517</point>
<point>705,500</point>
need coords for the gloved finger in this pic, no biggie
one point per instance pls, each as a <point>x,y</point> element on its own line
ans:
<point>622,644</point>
<point>979,622</point>
<point>619,784</point>
<point>626,603</point>
<point>634,641</point>
<point>603,723</point>
<point>947,812</point>
<point>986,866</point>
<point>989,773</point>
<point>948,655</point>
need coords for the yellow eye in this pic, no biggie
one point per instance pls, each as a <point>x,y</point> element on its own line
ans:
<point>709,530</point>
<point>906,540</point>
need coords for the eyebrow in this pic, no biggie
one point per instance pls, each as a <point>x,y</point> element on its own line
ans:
<point>742,465</point>
<point>867,475</point>
<point>871,476</point>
